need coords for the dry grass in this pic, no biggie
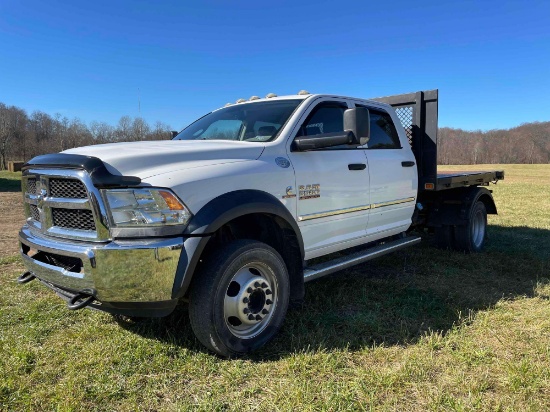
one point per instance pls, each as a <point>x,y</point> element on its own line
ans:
<point>419,330</point>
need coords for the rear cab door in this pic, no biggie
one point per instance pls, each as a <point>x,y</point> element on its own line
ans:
<point>393,173</point>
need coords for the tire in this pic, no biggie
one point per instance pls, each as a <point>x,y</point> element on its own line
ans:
<point>471,237</point>
<point>239,300</point>
<point>444,237</point>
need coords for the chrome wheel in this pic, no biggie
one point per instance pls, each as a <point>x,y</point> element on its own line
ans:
<point>477,228</point>
<point>250,300</point>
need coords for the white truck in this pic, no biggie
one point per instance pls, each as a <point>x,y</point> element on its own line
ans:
<point>232,213</point>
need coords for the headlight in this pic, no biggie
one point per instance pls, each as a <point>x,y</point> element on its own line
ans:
<point>146,208</point>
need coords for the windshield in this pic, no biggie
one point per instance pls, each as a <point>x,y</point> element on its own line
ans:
<point>251,122</point>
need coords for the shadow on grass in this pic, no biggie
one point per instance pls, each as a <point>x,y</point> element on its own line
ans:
<point>10,185</point>
<point>396,299</point>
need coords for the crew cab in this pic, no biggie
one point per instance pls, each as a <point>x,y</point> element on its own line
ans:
<point>231,214</point>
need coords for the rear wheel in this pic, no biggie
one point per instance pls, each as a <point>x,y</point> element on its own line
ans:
<point>471,237</point>
<point>239,300</point>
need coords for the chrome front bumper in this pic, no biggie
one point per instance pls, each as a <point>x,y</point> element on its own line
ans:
<point>118,273</point>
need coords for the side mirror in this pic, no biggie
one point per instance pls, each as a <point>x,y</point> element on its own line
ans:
<point>321,141</point>
<point>174,133</point>
<point>357,121</point>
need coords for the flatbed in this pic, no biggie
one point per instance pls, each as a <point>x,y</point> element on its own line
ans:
<point>451,180</point>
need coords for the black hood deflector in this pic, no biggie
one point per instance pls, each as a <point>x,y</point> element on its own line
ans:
<point>101,177</point>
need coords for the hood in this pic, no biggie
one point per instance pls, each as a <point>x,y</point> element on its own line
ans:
<point>149,158</point>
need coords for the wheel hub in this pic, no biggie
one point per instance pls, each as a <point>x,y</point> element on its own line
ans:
<point>254,302</point>
<point>249,301</point>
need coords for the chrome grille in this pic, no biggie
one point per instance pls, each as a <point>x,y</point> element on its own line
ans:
<point>31,187</point>
<point>64,203</point>
<point>80,219</point>
<point>35,214</point>
<point>68,188</point>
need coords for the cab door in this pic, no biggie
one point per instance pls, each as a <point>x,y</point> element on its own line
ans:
<point>332,184</point>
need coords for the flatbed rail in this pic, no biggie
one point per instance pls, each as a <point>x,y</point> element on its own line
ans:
<point>451,180</point>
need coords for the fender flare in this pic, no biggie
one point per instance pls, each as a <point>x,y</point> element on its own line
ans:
<point>457,210</point>
<point>478,193</point>
<point>213,216</point>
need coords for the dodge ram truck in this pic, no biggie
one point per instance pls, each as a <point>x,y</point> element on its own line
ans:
<point>230,215</point>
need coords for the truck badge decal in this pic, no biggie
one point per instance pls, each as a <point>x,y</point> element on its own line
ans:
<point>310,191</point>
<point>282,162</point>
<point>289,193</point>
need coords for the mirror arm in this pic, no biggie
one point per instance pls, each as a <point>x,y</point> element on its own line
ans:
<point>320,141</point>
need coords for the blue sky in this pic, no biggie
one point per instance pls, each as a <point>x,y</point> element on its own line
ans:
<point>490,60</point>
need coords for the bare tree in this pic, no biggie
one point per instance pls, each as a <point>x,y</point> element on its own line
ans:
<point>140,129</point>
<point>124,129</point>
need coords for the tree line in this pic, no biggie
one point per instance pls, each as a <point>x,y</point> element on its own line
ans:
<point>527,143</point>
<point>24,136</point>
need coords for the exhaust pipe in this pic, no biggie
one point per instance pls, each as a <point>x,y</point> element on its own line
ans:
<point>79,301</point>
<point>26,277</point>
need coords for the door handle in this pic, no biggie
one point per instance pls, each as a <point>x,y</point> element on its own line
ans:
<point>357,166</point>
<point>407,164</point>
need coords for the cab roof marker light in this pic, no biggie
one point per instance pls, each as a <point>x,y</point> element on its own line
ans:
<point>254,98</point>
<point>228,104</point>
<point>270,95</point>
<point>303,93</point>
<point>241,101</point>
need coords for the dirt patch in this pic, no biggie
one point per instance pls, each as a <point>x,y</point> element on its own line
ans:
<point>11,220</point>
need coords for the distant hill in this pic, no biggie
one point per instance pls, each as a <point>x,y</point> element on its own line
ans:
<point>527,143</point>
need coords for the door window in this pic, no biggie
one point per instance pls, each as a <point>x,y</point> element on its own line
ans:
<point>327,117</point>
<point>383,134</point>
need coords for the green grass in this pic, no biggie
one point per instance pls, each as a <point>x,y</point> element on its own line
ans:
<point>422,329</point>
<point>10,181</point>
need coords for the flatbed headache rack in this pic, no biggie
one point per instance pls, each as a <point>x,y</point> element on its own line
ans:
<point>418,114</point>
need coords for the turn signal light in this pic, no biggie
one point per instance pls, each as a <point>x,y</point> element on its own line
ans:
<point>172,202</point>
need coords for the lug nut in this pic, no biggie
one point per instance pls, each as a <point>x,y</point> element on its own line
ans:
<point>269,301</point>
<point>258,317</point>
<point>264,285</point>
<point>245,300</point>
<point>250,290</point>
<point>268,292</point>
<point>265,312</point>
<point>246,310</point>
<point>256,284</point>
<point>250,317</point>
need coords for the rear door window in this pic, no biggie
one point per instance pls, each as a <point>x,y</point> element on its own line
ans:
<point>383,134</point>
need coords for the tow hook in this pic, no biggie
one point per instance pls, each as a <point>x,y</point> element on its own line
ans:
<point>79,301</point>
<point>26,277</point>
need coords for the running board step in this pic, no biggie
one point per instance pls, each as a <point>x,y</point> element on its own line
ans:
<point>335,265</point>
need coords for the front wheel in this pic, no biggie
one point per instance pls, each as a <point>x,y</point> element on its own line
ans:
<point>239,299</point>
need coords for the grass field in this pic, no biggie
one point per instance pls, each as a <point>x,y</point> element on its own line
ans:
<point>419,330</point>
